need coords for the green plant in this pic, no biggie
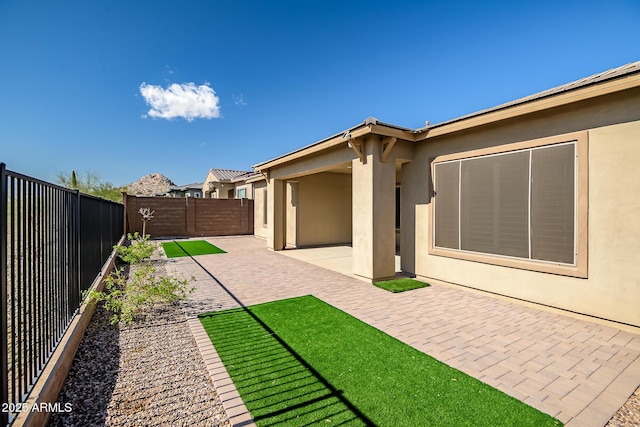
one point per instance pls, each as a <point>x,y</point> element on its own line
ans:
<point>127,296</point>
<point>169,289</point>
<point>91,183</point>
<point>139,249</point>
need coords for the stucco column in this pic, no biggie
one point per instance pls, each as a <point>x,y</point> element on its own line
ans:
<point>374,186</point>
<point>275,214</point>
<point>291,212</point>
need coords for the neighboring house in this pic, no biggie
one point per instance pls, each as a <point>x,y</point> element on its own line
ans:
<point>227,184</point>
<point>537,199</point>
<point>189,190</point>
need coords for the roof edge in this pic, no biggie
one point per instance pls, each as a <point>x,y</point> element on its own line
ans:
<point>606,80</point>
<point>343,134</point>
<point>610,81</point>
<point>369,125</point>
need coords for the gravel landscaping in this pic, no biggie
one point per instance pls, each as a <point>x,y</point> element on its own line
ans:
<point>629,414</point>
<point>148,373</point>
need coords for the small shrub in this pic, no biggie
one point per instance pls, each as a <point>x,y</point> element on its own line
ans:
<point>169,289</point>
<point>126,297</point>
<point>139,249</point>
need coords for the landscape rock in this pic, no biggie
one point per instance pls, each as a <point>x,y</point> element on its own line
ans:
<point>150,185</point>
<point>149,373</point>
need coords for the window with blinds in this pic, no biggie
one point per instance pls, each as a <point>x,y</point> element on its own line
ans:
<point>518,204</point>
<point>265,210</point>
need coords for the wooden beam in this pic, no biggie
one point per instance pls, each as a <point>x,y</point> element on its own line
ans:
<point>313,149</point>
<point>357,148</point>
<point>387,145</point>
<point>390,131</point>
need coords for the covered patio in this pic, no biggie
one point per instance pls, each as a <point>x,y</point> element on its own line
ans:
<point>341,191</point>
<point>338,258</point>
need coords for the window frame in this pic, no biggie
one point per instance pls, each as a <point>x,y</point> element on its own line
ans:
<point>581,197</point>
<point>398,222</point>
<point>265,208</point>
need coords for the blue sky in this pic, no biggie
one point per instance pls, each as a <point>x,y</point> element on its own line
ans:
<point>128,88</point>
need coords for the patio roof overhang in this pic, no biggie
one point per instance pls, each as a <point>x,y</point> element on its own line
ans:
<point>371,126</point>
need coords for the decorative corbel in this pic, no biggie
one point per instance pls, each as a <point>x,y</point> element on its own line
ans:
<point>357,148</point>
<point>387,145</point>
<point>266,175</point>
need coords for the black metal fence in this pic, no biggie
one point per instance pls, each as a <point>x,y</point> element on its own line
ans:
<point>54,242</point>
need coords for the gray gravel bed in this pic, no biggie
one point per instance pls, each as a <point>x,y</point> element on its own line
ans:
<point>629,414</point>
<point>149,373</point>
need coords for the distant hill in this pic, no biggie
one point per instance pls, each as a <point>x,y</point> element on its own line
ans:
<point>150,185</point>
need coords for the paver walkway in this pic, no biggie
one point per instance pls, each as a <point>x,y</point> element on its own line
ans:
<point>575,370</point>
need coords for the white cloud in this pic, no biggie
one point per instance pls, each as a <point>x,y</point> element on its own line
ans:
<point>184,100</point>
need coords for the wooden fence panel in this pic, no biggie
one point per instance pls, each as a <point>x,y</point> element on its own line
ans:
<point>191,217</point>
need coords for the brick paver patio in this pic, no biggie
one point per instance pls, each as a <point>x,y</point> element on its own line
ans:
<point>578,371</point>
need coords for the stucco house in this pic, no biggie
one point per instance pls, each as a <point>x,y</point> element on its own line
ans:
<point>189,190</point>
<point>227,184</point>
<point>537,199</point>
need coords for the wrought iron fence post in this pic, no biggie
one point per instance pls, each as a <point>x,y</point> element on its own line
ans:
<point>77,244</point>
<point>4,416</point>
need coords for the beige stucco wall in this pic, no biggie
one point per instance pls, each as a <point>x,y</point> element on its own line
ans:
<point>245,186</point>
<point>223,190</point>
<point>260,193</point>
<point>612,289</point>
<point>224,187</point>
<point>320,212</point>
<point>206,193</point>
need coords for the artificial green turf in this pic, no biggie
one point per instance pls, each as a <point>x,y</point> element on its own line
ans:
<point>301,361</point>
<point>190,248</point>
<point>400,285</point>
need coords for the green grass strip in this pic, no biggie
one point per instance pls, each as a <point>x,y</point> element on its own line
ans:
<point>301,361</point>
<point>401,285</point>
<point>190,248</point>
